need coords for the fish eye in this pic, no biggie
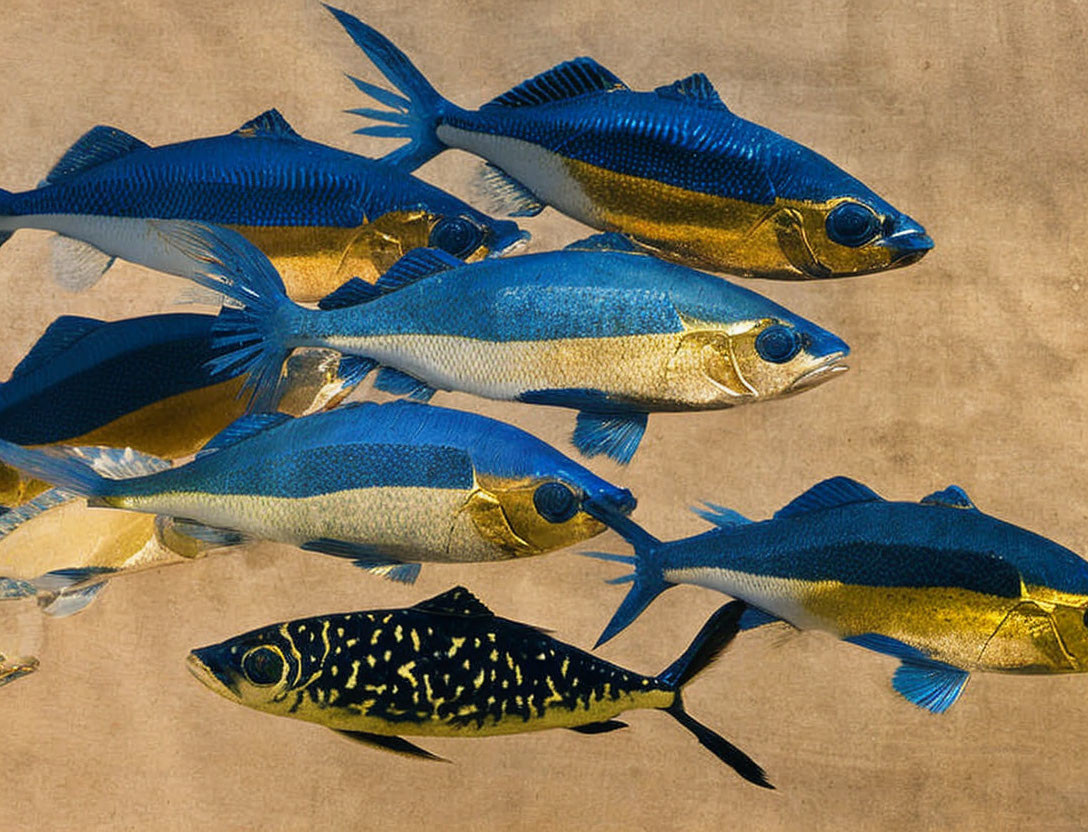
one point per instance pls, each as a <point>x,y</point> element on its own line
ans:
<point>263,666</point>
<point>458,236</point>
<point>778,343</point>
<point>555,502</point>
<point>852,224</point>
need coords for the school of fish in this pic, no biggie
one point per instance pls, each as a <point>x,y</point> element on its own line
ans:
<point>135,444</point>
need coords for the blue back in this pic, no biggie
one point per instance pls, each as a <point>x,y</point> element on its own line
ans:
<point>556,294</point>
<point>101,371</point>
<point>883,543</point>
<point>243,178</point>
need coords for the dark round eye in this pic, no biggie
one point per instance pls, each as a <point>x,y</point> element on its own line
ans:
<point>458,236</point>
<point>778,344</point>
<point>555,502</point>
<point>852,224</point>
<point>263,666</point>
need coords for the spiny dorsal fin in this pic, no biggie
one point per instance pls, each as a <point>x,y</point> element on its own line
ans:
<point>241,429</point>
<point>721,516</point>
<point>832,493</point>
<point>695,88</point>
<point>98,145</point>
<point>953,496</point>
<point>567,80</point>
<point>415,265</point>
<point>606,241</point>
<point>269,124</point>
<point>58,337</point>
<point>457,601</point>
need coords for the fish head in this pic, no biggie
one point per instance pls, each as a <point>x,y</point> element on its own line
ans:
<point>474,236</point>
<point>257,669</point>
<point>551,504</point>
<point>1071,626</point>
<point>755,360</point>
<point>1040,636</point>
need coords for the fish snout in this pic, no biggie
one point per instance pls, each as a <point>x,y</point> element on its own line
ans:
<point>504,238</point>
<point>907,242</point>
<point>206,667</point>
<point>610,506</point>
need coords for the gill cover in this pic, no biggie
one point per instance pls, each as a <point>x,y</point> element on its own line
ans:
<point>1028,639</point>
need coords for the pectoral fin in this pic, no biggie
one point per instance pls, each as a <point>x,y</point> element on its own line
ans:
<point>615,435</point>
<point>599,727</point>
<point>398,745</point>
<point>920,680</point>
<point>77,265</point>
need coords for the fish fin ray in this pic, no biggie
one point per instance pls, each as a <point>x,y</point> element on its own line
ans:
<point>70,601</point>
<point>713,637</point>
<point>77,265</point>
<point>351,293</point>
<point>720,747</point>
<point>953,496</point>
<point>458,601</point>
<point>725,518</point>
<point>368,558</point>
<point>934,686</point>
<point>97,146</point>
<point>269,124</point>
<point>243,428</point>
<point>831,493</point>
<point>504,194</point>
<point>215,535</point>
<point>352,369</point>
<point>416,265</point>
<point>695,88</point>
<point>607,241</point>
<point>116,463</point>
<point>391,380</point>
<point>569,79</point>
<point>398,745</point>
<point>616,435</point>
<point>604,727</point>
<point>58,337</point>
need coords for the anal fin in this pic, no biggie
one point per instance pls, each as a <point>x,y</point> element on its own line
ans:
<point>505,195</point>
<point>366,557</point>
<point>599,727</point>
<point>398,745</point>
<point>934,686</point>
<point>77,265</point>
<point>390,380</point>
<point>69,601</point>
<point>616,435</point>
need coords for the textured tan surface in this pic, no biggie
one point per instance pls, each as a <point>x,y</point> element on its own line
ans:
<point>969,368</point>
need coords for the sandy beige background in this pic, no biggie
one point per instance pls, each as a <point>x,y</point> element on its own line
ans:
<point>968,368</point>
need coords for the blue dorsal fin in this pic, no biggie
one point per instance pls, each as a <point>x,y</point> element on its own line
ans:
<point>98,145</point>
<point>953,496</point>
<point>721,516</point>
<point>390,380</point>
<point>608,241</point>
<point>457,601</point>
<point>832,493</point>
<point>352,293</point>
<point>616,435</point>
<point>241,429</point>
<point>695,88</point>
<point>566,80</point>
<point>269,124</point>
<point>58,337</point>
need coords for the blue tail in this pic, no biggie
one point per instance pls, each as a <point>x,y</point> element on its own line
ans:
<point>68,472</point>
<point>648,579</point>
<point>254,337</point>
<point>415,115</point>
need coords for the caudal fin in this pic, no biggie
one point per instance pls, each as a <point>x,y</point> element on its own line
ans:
<point>712,639</point>
<point>414,115</point>
<point>255,336</point>
<point>647,580</point>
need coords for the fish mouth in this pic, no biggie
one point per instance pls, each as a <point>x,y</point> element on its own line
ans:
<point>611,509</point>
<point>831,365</point>
<point>508,245</point>
<point>907,247</point>
<point>210,677</point>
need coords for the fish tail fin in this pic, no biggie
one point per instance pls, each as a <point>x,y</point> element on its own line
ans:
<point>708,644</point>
<point>414,114</point>
<point>254,337</point>
<point>68,472</point>
<point>648,580</point>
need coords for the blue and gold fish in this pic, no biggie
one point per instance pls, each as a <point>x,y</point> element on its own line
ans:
<point>674,169</point>
<point>449,667</point>
<point>385,485</point>
<point>321,214</point>
<point>142,383</point>
<point>937,584</point>
<point>612,334</point>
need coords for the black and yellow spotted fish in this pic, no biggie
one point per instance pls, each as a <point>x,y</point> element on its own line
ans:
<point>449,667</point>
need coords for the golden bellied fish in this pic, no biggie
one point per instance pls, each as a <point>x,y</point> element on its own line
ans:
<point>321,214</point>
<point>142,383</point>
<point>674,169</point>
<point>388,486</point>
<point>937,584</point>
<point>449,667</point>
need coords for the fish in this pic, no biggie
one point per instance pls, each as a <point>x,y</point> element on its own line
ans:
<point>60,552</point>
<point>674,169</point>
<point>937,584</point>
<point>609,332</point>
<point>16,668</point>
<point>388,486</point>
<point>141,383</point>
<point>449,667</point>
<point>323,215</point>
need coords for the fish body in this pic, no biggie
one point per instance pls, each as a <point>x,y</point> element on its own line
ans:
<point>613,334</point>
<point>322,215</point>
<point>447,667</point>
<point>938,584</point>
<point>385,485</point>
<point>674,168</point>
<point>142,383</point>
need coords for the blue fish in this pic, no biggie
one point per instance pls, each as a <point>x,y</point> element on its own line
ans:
<point>142,383</point>
<point>674,169</point>
<point>937,584</point>
<point>613,334</point>
<point>321,214</point>
<point>386,485</point>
